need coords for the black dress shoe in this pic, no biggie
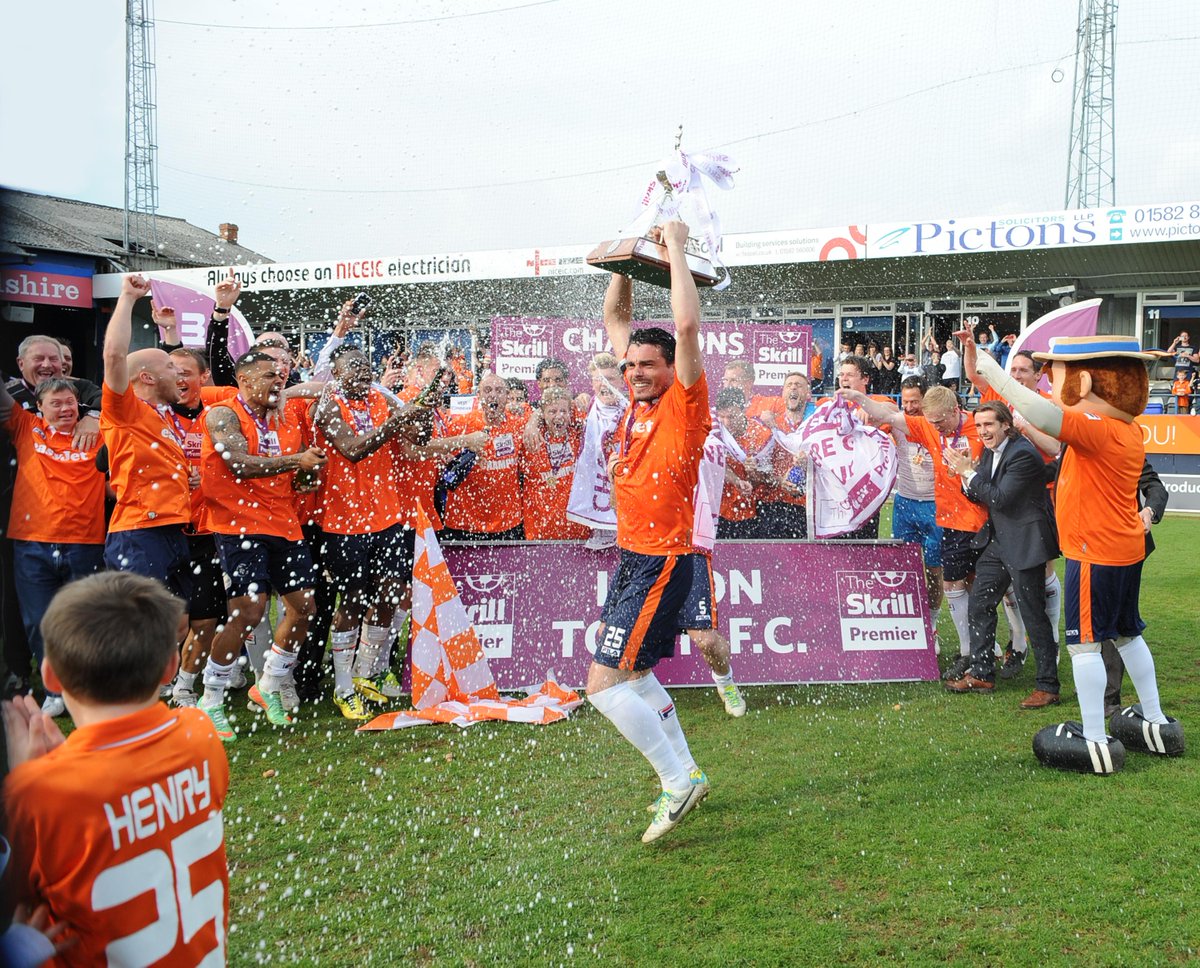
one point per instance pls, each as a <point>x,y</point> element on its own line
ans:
<point>958,668</point>
<point>1013,661</point>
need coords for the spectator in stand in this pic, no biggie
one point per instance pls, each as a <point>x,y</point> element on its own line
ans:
<point>127,809</point>
<point>1002,351</point>
<point>368,546</point>
<point>988,341</point>
<point>1186,355</point>
<point>548,471</point>
<point>746,441</point>
<point>251,453</point>
<point>1182,391</point>
<point>953,366</point>
<point>910,367</point>
<point>843,352</point>
<point>887,374</point>
<point>816,365</point>
<point>874,355</point>
<point>487,505</point>
<point>57,519</point>
<point>781,511</point>
<point>934,371</point>
<point>148,470</point>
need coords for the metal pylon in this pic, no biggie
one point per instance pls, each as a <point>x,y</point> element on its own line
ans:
<point>1091,164</point>
<point>141,141</point>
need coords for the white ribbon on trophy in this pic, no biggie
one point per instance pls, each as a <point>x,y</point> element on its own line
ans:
<point>678,192</point>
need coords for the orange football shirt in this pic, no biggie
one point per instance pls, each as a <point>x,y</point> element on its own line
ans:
<point>359,497</point>
<point>58,494</point>
<point>489,500</point>
<point>146,466</point>
<point>253,505</point>
<point>954,509</point>
<point>660,445</point>
<point>548,472</point>
<point>119,831</point>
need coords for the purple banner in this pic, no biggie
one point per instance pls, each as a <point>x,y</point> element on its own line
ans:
<point>519,343</point>
<point>192,312</point>
<point>793,612</point>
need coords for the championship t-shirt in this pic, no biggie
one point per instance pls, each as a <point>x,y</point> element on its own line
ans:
<point>659,446</point>
<point>489,500</point>
<point>1096,502</point>
<point>954,509</point>
<point>58,495</point>
<point>253,505</point>
<point>359,497</point>
<point>146,464</point>
<point>548,472</point>
<point>119,832</point>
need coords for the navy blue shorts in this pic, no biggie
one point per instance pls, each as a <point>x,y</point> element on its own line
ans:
<point>958,557</point>
<point>208,584</point>
<point>641,614</point>
<point>700,609</point>
<point>160,553</point>
<point>359,563</point>
<point>260,563</point>
<point>1102,601</point>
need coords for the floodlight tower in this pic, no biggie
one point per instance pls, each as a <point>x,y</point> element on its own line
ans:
<point>1091,163</point>
<point>141,146</point>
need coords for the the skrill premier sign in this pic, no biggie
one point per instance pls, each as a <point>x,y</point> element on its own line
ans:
<point>519,343</point>
<point>793,612</point>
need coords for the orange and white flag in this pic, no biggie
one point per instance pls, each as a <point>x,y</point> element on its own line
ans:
<point>451,680</point>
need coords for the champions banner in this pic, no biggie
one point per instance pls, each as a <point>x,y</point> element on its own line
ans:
<point>793,612</point>
<point>519,343</point>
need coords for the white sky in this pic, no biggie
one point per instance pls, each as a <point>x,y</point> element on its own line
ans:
<point>336,142</point>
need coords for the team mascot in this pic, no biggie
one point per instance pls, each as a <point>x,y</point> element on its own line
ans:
<point>1099,383</point>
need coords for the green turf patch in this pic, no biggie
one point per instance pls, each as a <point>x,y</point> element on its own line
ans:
<point>855,824</point>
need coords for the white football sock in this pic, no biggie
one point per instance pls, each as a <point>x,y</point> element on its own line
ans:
<point>1016,626</point>
<point>1139,663</point>
<point>1053,602</point>
<point>638,722</point>
<point>956,602</point>
<point>186,679</point>
<point>258,644</point>
<point>216,681</point>
<point>398,620</point>
<point>651,690</point>
<point>383,639</point>
<point>1090,682</point>
<point>277,666</point>
<point>341,644</point>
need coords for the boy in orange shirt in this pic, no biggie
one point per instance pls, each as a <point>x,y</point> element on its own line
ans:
<point>1182,389</point>
<point>117,829</point>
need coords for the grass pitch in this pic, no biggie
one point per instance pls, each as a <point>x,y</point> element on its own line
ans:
<point>855,824</point>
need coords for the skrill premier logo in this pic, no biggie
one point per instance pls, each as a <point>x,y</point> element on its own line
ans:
<point>880,611</point>
<point>490,602</point>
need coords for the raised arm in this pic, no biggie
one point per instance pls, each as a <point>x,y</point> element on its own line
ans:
<point>618,313</point>
<point>877,411</point>
<point>1040,412</point>
<point>231,443</point>
<point>685,306</point>
<point>216,344</point>
<point>969,355</point>
<point>120,332</point>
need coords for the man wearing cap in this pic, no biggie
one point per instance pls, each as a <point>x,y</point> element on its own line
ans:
<point>1099,383</point>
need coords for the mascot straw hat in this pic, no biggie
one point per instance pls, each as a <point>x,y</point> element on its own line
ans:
<point>1076,349</point>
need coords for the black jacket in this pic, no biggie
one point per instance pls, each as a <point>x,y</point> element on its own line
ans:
<point>1019,518</point>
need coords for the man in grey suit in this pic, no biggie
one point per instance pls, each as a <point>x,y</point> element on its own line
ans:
<point>1017,540</point>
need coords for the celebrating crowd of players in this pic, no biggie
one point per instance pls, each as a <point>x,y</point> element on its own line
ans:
<point>227,491</point>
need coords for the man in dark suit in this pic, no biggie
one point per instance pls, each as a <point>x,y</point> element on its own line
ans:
<point>1017,540</point>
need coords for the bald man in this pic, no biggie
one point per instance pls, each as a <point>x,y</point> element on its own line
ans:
<point>149,473</point>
